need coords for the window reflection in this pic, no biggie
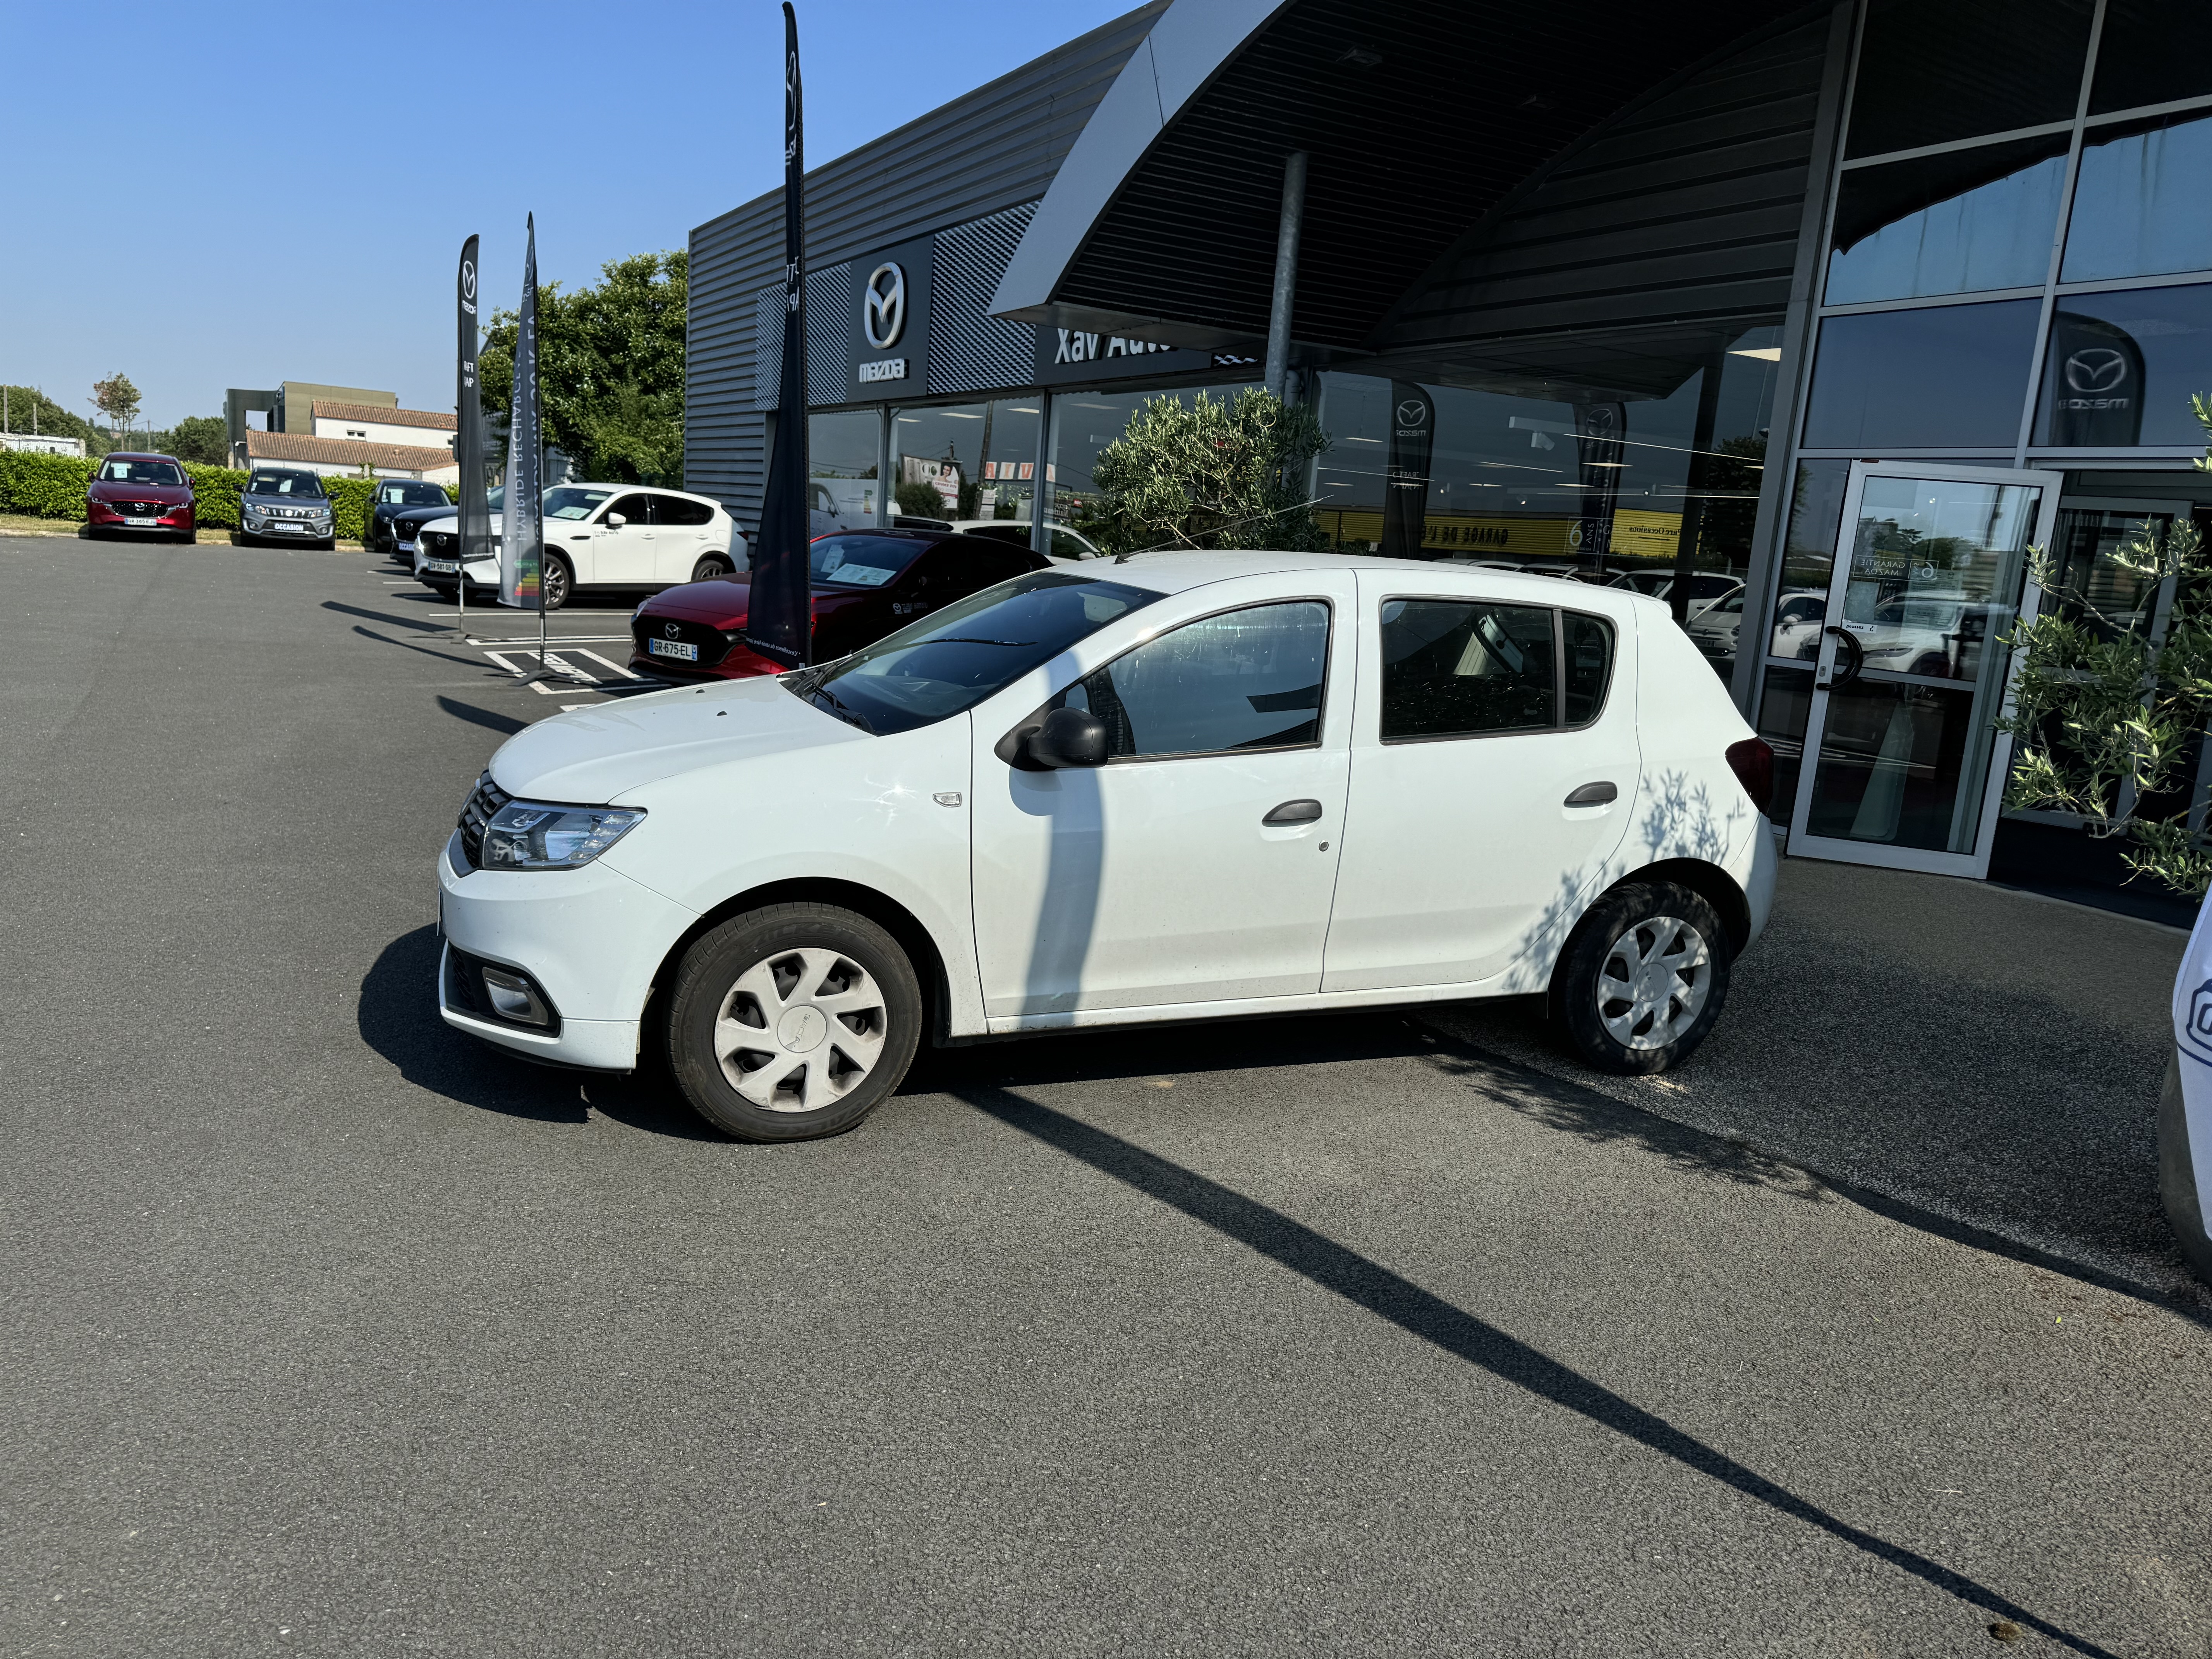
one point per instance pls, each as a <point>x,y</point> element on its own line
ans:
<point>1947,224</point>
<point>1083,423</point>
<point>965,462</point>
<point>2121,368</point>
<point>1934,71</point>
<point>840,461</point>
<point>2139,208</point>
<point>2152,51</point>
<point>1928,379</point>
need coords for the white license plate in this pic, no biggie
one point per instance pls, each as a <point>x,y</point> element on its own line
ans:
<point>406,547</point>
<point>142,524</point>
<point>681,650</point>
<point>442,567</point>
<point>295,528</point>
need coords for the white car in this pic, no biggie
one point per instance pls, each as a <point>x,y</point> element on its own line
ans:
<point>1191,786</point>
<point>598,535</point>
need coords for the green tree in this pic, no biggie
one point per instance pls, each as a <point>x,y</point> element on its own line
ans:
<point>609,368</point>
<point>2108,719</point>
<point>1209,473</point>
<point>203,439</point>
<point>118,400</point>
<point>30,410</point>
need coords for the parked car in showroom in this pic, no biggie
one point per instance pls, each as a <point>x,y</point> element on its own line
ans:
<point>1191,786</point>
<point>135,494</point>
<point>285,504</point>
<point>598,536</point>
<point>866,583</point>
<point>394,498</point>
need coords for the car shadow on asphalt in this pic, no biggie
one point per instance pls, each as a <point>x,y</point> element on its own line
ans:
<point>398,1017</point>
<point>1370,1286</point>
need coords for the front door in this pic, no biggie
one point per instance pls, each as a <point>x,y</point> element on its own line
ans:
<point>1904,765</point>
<point>623,556</point>
<point>1196,865</point>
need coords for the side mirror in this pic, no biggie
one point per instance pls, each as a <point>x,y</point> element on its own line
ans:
<point>1069,737</point>
<point>615,521</point>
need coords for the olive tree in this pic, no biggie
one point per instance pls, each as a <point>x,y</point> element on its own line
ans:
<point>2108,713</point>
<point>1210,473</point>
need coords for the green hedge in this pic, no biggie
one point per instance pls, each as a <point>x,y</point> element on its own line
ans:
<point>53,487</point>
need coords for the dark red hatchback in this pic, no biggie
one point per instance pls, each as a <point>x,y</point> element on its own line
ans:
<point>867,583</point>
<point>141,495</point>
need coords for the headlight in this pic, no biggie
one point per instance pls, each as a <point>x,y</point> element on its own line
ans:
<point>525,834</point>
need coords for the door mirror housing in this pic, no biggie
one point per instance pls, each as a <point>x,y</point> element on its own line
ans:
<point>1069,737</point>
<point>616,521</point>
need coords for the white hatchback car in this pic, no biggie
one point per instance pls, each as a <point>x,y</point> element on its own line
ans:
<point>597,535</point>
<point>1188,786</point>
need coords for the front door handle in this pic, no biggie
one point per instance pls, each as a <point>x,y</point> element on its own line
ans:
<point>1593,795</point>
<point>579,538</point>
<point>1293,811</point>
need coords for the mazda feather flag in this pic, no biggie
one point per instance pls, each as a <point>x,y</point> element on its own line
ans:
<point>475,526</point>
<point>780,615</point>
<point>521,531</point>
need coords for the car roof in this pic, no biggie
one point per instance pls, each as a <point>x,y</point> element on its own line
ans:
<point>1174,571</point>
<point>138,455</point>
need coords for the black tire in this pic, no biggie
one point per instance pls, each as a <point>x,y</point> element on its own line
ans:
<point>707,568</point>
<point>794,951</point>
<point>555,583</point>
<point>1595,1026</point>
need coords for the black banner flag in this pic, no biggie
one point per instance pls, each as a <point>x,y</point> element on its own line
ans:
<point>779,615</point>
<point>475,526</point>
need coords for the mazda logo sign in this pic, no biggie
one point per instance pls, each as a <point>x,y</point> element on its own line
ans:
<point>669,628</point>
<point>468,279</point>
<point>2096,368</point>
<point>883,306</point>
<point>1412,412</point>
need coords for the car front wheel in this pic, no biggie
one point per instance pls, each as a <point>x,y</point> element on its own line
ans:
<point>1642,978</point>
<point>792,1021</point>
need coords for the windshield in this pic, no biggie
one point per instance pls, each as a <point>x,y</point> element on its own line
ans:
<point>284,484</point>
<point>152,473</point>
<point>956,657</point>
<point>570,502</point>
<point>861,560</point>
<point>411,495</point>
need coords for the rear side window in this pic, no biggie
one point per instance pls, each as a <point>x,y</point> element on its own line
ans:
<point>1245,679</point>
<point>679,510</point>
<point>1455,668</point>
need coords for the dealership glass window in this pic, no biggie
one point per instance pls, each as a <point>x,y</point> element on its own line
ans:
<point>840,460</point>
<point>2121,365</point>
<point>966,461</point>
<point>1783,702</point>
<point>1924,379</point>
<point>1968,219</point>
<point>1932,71</point>
<point>2139,208</point>
<point>1083,423</point>
<point>2152,51</point>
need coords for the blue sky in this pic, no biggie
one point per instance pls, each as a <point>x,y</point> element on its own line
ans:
<point>262,192</point>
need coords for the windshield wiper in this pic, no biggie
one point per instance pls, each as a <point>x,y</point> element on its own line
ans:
<point>818,695</point>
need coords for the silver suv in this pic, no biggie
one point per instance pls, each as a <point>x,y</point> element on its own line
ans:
<point>286,504</point>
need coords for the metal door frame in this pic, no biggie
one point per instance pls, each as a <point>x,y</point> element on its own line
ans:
<point>1976,864</point>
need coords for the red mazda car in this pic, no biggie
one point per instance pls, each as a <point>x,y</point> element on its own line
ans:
<point>140,495</point>
<point>867,583</point>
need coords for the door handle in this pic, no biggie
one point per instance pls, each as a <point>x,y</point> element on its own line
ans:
<point>1593,795</point>
<point>1293,811</point>
<point>579,538</point>
<point>1858,653</point>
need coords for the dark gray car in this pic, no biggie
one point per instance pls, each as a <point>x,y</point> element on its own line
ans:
<point>286,504</point>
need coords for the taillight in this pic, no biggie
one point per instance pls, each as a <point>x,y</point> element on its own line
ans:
<point>1753,762</point>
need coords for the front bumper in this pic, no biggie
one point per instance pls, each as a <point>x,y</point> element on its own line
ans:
<point>592,938</point>
<point>289,530</point>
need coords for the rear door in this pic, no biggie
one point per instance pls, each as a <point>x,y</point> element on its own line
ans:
<point>1494,761</point>
<point>682,531</point>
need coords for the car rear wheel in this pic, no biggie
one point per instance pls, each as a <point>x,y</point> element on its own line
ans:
<point>1642,978</point>
<point>556,581</point>
<point>792,1021</point>
<point>707,568</point>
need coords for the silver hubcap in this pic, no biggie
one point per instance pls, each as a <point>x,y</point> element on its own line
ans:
<point>1653,982</point>
<point>800,1029</point>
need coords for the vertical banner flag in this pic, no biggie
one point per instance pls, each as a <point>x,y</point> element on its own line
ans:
<point>1598,429</point>
<point>1406,487</point>
<point>779,615</point>
<point>519,544</point>
<point>474,526</point>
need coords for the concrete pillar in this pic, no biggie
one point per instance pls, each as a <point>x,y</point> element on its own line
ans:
<point>1286,271</point>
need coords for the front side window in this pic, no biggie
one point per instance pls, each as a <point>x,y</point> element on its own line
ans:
<point>633,510</point>
<point>1246,679</point>
<point>1457,667</point>
<point>954,657</point>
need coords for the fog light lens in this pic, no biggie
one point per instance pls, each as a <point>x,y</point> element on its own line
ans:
<point>514,997</point>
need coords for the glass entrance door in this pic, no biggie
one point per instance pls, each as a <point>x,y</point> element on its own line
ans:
<point>1904,766</point>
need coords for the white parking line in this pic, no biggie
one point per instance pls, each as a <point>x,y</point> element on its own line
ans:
<point>553,639</point>
<point>603,662</point>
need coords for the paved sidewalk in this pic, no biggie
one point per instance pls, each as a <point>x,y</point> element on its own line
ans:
<point>1975,1052</point>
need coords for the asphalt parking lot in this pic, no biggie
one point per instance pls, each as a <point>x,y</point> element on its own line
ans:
<point>328,1331</point>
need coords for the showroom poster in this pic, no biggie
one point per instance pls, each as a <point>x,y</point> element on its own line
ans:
<point>1406,492</point>
<point>2094,384</point>
<point>779,616</point>
<point>518,549</point>
<point>1598,429</point>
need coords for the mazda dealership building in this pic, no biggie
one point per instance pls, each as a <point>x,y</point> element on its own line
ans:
<point>1823,315</point>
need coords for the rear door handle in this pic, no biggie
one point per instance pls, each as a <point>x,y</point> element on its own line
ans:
<point>1593,795</point>
<point>1293,811</point>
